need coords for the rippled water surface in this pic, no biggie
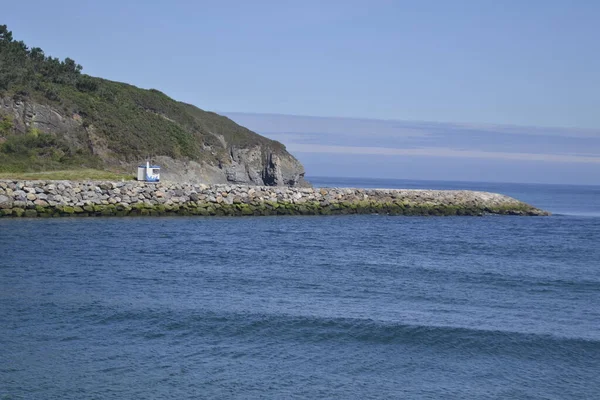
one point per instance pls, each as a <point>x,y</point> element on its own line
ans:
<point>306,307</point>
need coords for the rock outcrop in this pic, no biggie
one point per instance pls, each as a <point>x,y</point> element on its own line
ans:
<point>66,198</point>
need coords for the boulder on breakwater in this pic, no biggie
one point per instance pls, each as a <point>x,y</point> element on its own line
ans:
<point>93,198</point>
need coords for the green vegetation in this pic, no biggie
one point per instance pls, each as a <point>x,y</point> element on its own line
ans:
<point>6,125</point>
<point>23,69</point>
<point>115,122</point>
<point>38,151</point>
<point>71,175</point>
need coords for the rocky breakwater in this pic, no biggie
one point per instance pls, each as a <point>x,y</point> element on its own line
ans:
<point>67,198</point>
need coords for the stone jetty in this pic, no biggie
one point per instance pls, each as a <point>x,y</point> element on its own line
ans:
<point>129,198</point>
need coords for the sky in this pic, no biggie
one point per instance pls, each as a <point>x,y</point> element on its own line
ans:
<point>477,63</point>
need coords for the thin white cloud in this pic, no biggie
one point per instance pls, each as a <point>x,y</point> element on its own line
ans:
<point>278,123</point>
<point>528,130</point>
<point>441,152</point>
<point>271,123</point>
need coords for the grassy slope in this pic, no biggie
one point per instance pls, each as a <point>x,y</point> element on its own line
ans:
<point>137,122</point>
<point>71,175</point>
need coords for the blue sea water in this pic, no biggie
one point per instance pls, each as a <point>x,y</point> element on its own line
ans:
<point>307,307</point>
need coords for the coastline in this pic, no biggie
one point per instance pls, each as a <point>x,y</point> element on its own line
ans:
<point>19,198</point>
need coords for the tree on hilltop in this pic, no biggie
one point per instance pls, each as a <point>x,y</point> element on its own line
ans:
<point>22,68</point>
<point>5,34</point>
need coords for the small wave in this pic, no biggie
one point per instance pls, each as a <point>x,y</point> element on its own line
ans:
<point>312,329</point>
<point>368,330</point>
<point>70,338</point>
<point>515,280</point>
<point>590,214</point>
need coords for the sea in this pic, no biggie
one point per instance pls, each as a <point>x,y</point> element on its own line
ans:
<point>307,307</point>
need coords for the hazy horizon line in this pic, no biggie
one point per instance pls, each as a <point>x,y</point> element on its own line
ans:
<point>309,177</point>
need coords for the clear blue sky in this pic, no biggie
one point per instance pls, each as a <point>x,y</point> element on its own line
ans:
<point>486,61</point>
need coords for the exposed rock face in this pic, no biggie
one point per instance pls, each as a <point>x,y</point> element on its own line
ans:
<point>247,167</point>
<point>280,171</point>
<point>66,198</point>
<point>250,165</point>
<point>27,115</point>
